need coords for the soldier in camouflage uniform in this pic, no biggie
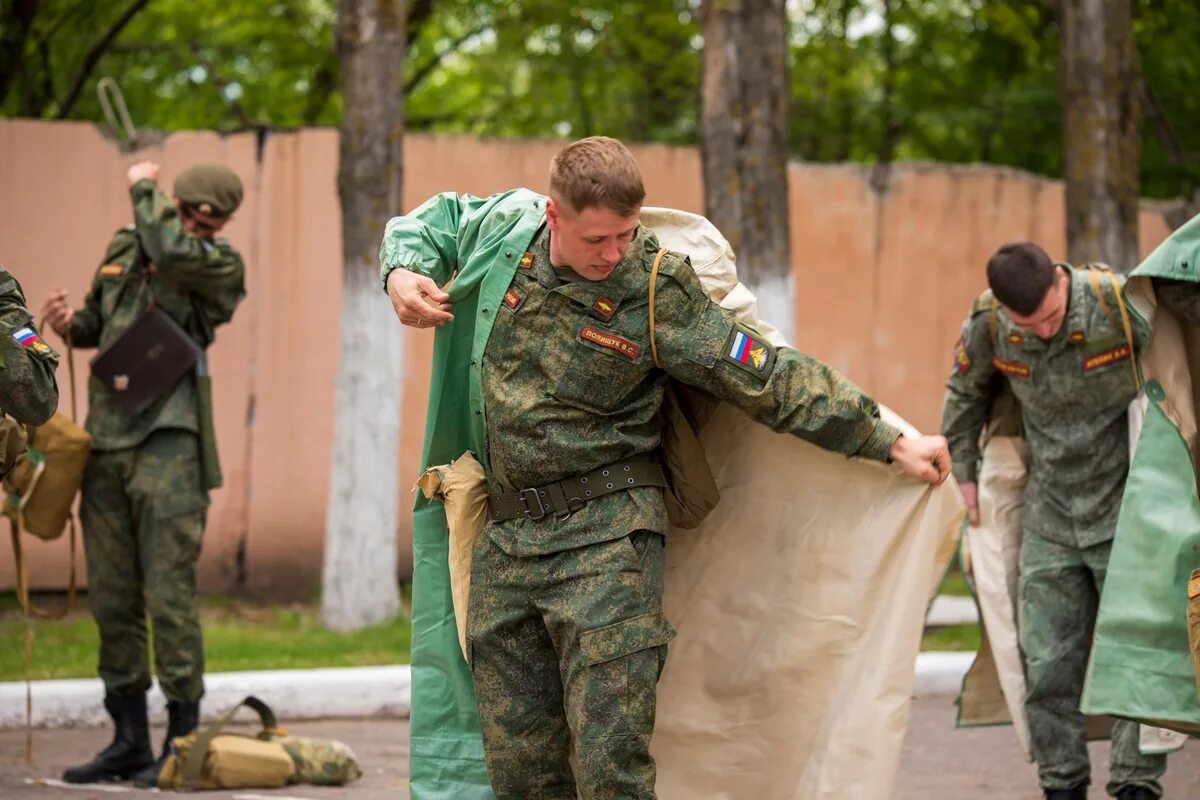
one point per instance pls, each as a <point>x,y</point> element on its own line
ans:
<point>565,632</point>
<point>28,391</point>
<point>145,496</point>
<point>1056,336</point>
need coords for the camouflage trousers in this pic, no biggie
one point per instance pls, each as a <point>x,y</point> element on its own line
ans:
<point>1058,596</point>
<point>568,647</point>
<point>143,512</point>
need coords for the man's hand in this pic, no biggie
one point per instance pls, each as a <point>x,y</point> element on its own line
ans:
<point>57,313</point>
<point>142,169</point>
<point>924,457</point>
<point>417,300</point>
<point>970,498</point>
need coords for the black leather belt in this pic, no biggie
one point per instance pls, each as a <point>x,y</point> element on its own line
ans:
<point>561,499</point>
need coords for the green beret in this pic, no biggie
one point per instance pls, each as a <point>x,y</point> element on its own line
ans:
<point>211,188</point>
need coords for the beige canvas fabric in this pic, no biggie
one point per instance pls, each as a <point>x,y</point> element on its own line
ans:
<point>994,547</point>
<point>799,602</point>
<point>462,486</point>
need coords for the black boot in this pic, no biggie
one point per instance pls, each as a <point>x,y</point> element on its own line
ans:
<point>182,718</point>
<point>1136,793</point>
<point>129,751</point>
<point>1078,792</point>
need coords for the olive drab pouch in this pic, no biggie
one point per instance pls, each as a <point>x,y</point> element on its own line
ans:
<point>691,488</point>
<point>212,759</point>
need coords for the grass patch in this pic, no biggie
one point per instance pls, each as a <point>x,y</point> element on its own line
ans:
<point>952,637</point>
<point>237,636</point>
<point>954,583</point>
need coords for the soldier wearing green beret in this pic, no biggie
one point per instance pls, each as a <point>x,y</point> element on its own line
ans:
<point>1057,337</point>
<point>145,491</point>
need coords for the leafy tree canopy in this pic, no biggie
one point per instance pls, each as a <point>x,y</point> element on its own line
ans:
<point>970,80</point>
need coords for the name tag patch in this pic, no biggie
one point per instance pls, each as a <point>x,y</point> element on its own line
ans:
<point>1119,353</point>
<point>1014,369</point>
<point>747,349</point>
<point>604,308</point>
<point>611,341</point>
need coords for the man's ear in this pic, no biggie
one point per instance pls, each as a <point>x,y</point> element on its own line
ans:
<point>552,214</point>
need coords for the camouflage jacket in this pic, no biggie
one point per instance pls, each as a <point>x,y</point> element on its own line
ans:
<point>569,383</point>
<point>28,391</point>
<point>197,281</point>
<point>1073,390</point>
<point>1182,297</point>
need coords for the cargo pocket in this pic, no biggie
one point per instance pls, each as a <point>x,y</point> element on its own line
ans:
<point>618,676</point>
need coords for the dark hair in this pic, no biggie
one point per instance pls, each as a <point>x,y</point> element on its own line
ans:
<point>597,171</point>
<point>1020,274</point>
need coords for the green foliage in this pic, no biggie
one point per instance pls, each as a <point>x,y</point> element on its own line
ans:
<point>944,80</point>
<point>237,636</point>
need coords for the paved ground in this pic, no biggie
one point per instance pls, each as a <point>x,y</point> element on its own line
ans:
<point>939,763</point>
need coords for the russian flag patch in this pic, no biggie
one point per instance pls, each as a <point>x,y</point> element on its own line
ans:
<point>27,337</point>
<point>747,349</point>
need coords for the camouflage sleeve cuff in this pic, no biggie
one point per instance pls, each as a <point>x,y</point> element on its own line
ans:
<point>964,471</point>
<point>879,443</point>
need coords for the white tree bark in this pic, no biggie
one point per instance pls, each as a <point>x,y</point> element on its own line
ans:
<point>359,584</point>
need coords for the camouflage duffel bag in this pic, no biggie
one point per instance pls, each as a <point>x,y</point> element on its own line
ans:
<point>211,759</point>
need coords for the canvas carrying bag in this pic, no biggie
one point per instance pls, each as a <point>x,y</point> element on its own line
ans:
<point>212,759</point>
<point>40,490</point>
<point>691,489</point>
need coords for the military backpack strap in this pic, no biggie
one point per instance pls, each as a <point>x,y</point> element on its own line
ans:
<point>1124,324</point>
<point>653,285</point>
<point>193,765</point>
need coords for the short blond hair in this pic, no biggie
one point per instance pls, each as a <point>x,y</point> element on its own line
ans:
<point>597,171</point>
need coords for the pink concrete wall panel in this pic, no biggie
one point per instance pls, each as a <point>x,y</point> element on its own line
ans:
<point>882,280</point>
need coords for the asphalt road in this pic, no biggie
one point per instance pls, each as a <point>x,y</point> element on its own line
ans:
<point>938,763</point>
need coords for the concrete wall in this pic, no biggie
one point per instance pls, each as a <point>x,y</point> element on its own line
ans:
<point>883,282</point>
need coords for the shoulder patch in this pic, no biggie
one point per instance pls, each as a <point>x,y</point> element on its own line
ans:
<point>748,350</point>
<point>27,337</point>
<point>962,362</point>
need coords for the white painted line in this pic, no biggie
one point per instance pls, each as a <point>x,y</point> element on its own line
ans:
<point>952,610</point>
<point>84,787</point>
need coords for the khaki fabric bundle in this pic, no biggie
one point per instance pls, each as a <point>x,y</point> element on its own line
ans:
<point>211,759</point>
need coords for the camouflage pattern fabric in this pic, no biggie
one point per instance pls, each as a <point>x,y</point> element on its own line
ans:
<point>143,513</point>
<point>569,644</point>
<point>1074,390</point>
<point>1058,595</point>
<point>197,281</point>
<point>320,762</point>
<point>594,392</point>
<point>1182,297</point>
<point>28,390</point>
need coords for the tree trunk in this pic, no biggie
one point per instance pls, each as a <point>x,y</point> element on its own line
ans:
<point>1102,115</point>
<point>744,147</point>
<point>359,582</point>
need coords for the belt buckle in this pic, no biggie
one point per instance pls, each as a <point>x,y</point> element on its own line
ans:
<point>571,509</point>
<point>542,508</point>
